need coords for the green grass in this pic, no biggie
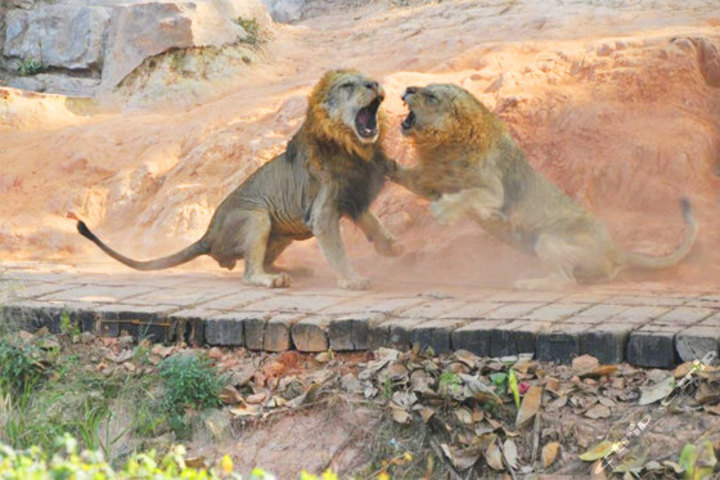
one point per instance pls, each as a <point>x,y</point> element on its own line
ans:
<point>252,28</point>
<point>30,66</point>
<point>190,382</point>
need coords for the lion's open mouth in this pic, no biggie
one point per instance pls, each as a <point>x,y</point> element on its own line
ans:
<point>366,119</point>
<point>409,121</point>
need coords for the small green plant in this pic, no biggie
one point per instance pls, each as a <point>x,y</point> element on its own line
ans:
<point>499,381</point>
<point>388,388</point>
<point>252,28</point>
<point>177,60</point>
<point>190,381</point>
<point>30,66</point>
<point>448,384</point>
<point>67,326</point>
<point>19,371</point>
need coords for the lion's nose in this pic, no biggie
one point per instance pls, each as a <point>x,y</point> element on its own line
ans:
<point>372,85</point>
<point>409,91</point>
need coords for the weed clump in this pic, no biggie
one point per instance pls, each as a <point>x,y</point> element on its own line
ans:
<point>19,368</point>
<point>252,28</point>
<point>30,66</point>
<point>191,382</point>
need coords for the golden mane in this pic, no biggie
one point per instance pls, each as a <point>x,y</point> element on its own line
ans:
<point>322,127</point>
<point>473,128</point>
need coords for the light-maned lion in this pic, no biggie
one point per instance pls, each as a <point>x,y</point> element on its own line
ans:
<point>469,164</point>
<point>333,167</point>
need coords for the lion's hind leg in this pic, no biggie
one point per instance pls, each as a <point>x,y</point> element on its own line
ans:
<point>274,248</point>
<point>558,257</point>
<point>565,254</point>
<point>253,246</point>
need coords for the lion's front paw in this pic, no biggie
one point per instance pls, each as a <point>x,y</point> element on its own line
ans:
<point>354,283</point>
<point>280,280</point>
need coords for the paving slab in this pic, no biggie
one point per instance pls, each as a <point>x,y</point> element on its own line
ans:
<point>228,329</point>
<point>653,346</point>
<point>295,303</point>
<point>352,332</point>
<point>684,316</point>
<point>434,334</point>
<point>515,337</point>
<point>433,308</point>
<point>98,293</point>
<point>310,333</point>
<point>694,343</point>
<point>474,336</point>
<point>560,343</point>
<point>614,323</point>
<point>605,341</point>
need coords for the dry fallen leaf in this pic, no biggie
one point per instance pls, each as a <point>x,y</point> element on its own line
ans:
<point>597,472</point>
<point>255,398</point>
<point>714,409</point>
<point>598,411</point>
<point>426,413</point>
<point>707,393</point>
<point>461,458</point>
<point>655,393</point>
<point>399,415</point>
<point>322,357</point>
<point>229,395</point>
<point>464,415</point>
<point>510,454</point>
<point>466,357</point>
<point>530,406</point>
<point>493,455</point>
<point>245,411</point>
<point>598,451</point>
<point>549,453</point>
<point>557,403</point>
<point>196,462</point>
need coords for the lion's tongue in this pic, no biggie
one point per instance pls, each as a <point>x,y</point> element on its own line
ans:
<point>364,119</point>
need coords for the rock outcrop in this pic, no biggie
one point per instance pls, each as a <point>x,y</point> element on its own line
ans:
<point>285,11</point>
<point>81,48</point>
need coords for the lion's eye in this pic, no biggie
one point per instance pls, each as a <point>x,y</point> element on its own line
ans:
<point>346,85</point>
<point>431,98</point>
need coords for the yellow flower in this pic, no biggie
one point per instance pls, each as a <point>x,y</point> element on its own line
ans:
<point>329,475</point>
<point>408,456</point>
<point>383,476</point>
<point>304,475</point>
<point>227,464</point>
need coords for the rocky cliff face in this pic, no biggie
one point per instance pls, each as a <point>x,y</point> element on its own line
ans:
<point>81,48</point>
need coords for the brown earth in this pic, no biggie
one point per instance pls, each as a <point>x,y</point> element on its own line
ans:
<point>616,101</point>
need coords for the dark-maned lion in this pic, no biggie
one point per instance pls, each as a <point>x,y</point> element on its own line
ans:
<point>469,164</point>
<point>333,167</point>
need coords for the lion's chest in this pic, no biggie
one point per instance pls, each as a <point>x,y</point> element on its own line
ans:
<point>357,183</point>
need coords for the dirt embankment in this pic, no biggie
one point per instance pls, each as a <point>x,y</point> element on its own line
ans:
<point>617,102</point>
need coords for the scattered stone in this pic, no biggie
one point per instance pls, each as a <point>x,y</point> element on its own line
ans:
<point>215,353</point>
<point>584,364</point>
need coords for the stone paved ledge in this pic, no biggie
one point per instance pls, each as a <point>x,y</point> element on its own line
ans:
<point>614,323</point>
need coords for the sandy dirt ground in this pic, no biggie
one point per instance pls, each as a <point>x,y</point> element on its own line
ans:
<point>618,101</point>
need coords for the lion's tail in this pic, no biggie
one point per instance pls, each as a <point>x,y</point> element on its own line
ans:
<point>640,260</point>
<point>185,255</point>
